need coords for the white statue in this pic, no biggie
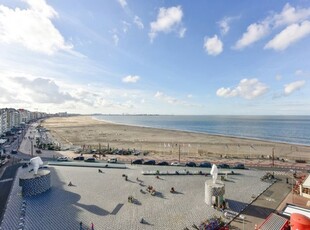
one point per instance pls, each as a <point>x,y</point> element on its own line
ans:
<point>214,172</point>
<point>36,162</point>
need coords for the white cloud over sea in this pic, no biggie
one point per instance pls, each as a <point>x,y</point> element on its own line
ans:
<point>247,88</point>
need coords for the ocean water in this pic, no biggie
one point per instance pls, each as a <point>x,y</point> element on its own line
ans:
<point>289,129</point>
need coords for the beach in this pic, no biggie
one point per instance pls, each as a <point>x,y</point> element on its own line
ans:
<point>86,132</point>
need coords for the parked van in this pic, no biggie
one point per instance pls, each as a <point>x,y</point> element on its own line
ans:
<point>112,160</point>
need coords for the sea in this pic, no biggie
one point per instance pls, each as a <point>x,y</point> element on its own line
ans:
<point>287,129</point>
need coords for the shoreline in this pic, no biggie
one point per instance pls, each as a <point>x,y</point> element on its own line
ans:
<point>203,133</point>
<point>93,133</point>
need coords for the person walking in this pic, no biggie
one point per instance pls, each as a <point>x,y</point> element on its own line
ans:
<point>92,226</point>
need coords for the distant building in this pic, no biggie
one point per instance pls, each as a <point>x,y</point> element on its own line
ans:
<point>11,118</point>
<point>3,121</point>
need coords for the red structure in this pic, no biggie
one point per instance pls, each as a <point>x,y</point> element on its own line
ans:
<point>299,222</point>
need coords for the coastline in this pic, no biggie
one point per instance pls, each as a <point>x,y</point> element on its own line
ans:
<point>203,133</point>
<point>88,131</point>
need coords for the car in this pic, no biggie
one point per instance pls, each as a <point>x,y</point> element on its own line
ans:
<point>205,165</point>
<point>223,166</point>
<point>136,153</point>
<point>175,163</point>
<point>137,162</point>
<point>163,163</point>
<point>14,151</point>
<point>112,160</point>
<point>91,159</point>
<point>80,158</point>
<point>38,151</point>
<point>150,162</point>
<point>62,159</point>
<point>190,164</point>
<point>239,166</point>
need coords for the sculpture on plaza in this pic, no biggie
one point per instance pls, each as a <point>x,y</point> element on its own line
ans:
<point>214,172</point>
<point>36,162</point>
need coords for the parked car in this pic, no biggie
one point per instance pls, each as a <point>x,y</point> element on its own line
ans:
<point>14,151</point>
<point>62,159</point>
<point>112,160</point>
<point>80,158</point>
<point>239,166</point>
<point>38,151</point>
<point>163,163</point>
<point>150,162</point>
<point>91,159</point>
<point>137,162</point>
<point>175,163</point>
<point>205,165</point>
<point>223,166</point>
<point>190,164</point>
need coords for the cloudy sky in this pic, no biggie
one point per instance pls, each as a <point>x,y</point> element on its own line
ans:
<point>156,56</point>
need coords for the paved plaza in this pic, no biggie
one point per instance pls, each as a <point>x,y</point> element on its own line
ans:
<point>102,199</point>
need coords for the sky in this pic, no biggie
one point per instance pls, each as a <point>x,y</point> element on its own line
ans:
<point>156,57</point>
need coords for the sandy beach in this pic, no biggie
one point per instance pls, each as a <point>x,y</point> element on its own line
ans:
<point>79,131</point>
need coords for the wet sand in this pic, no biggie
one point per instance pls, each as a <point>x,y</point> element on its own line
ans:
<point>79,131</point>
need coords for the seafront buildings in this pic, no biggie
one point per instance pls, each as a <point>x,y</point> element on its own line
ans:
<point>13,118</point>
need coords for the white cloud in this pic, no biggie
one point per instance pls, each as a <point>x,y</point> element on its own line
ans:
<point>292,87</point>
<point>123,3</point>
<point>115,39</point>
<point>247,88</point>
<point>158,94</point>
<point>138,22</point>
<point>168,19</point>
<point>182,32</point>
<point>173,101</point>
<point>224,25</point>
<point>126,26</point>
<point>213,46</point>
<point>291,15</point>
<point>254,33</point>
<point>25,89</point>
<point>32,28</point>
<point>289,35</point>
<point>287,17</point>
<point>131,79</point>
<point>189,96</point>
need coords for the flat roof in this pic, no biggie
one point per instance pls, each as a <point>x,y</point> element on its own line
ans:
<point>289,209</point>
<point>101,197</point>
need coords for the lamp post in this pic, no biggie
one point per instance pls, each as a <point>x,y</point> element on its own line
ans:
<point>242,217</point>
<point>179,153</point>
<point>293,180</point>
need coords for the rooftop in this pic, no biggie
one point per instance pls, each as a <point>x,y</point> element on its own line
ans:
<point>102,199</point>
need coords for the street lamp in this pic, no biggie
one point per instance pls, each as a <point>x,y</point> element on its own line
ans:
<point>242,217</point>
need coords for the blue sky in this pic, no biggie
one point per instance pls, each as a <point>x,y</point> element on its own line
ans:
<point>163,57</point>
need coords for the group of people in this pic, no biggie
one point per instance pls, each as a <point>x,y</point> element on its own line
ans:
<point>131,199</point>
<point>151,190</point>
